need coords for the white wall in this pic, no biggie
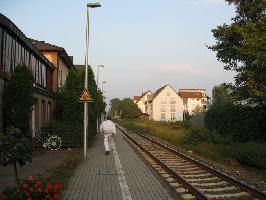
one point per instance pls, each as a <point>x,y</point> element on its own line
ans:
<point>162,104</point>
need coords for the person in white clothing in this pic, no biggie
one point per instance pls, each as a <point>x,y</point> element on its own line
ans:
<point>107,128</point>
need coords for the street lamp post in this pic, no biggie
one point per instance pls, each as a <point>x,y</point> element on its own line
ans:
<point>89,5</point>
<point>98,74</point>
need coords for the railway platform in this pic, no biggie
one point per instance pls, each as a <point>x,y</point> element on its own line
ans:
<point>121,174</point>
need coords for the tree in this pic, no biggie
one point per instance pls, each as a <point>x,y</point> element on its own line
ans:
<point>126,108</point>
<point>129,109</point>
<point>241,46</point>
<point>114,106</point>
<point>14,148</point>
<point>72,112</point>
<point>18,98</point>
<point>221,95</point>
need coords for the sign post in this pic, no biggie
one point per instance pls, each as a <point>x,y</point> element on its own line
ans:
<point>85,98</point>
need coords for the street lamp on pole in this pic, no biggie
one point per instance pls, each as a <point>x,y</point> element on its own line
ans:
<point>103,83</point>
<point>89,5</point>
<point>98,74</point>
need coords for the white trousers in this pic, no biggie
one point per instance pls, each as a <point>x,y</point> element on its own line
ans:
<point>107,138</point>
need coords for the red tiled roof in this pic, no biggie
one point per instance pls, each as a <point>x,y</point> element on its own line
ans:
<point>158,91</point>
<point>196,95</point>
<point>193,89</point>
<point>44,46</point>
<point>137,98</point>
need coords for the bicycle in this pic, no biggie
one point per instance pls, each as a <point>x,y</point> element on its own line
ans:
<point>52,142</point>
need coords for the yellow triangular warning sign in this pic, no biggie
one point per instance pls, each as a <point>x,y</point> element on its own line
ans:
<point>85,96</point>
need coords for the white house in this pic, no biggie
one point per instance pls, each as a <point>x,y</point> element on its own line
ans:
<point>165,105</point>
<point>142,101</point>
<point>195,100</point>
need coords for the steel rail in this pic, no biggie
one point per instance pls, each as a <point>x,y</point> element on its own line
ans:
<point>199,195</point>
<point>222,175</point>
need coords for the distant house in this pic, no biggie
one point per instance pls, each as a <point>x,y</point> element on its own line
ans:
<point>142,101</point>
<point>168,105</point>
<point>195,100</point>
<point>165,105</point>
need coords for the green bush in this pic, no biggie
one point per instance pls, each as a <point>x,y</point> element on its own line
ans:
<point>251,154</point>
<point>197,134</point>
<point>18,99</point>
<point>176,125</point>
<point>14,149</point>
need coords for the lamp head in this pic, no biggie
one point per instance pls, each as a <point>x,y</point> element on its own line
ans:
<point>94,5</point>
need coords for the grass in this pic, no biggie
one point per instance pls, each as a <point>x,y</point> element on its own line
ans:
<point>251,155</point>
<point>172,133</point>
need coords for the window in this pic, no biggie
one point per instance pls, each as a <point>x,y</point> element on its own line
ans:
<point>162,116</point>
<point>173,116</point>
<point>26,61</point>
<point>163,109</point>
<point>172,109</point>
<point>43,111</point>
<point>49,79</point>
<point>39,73</point>
<point>43,75</point>
<point>163,100</point>
<point>1,37</point>
<point>14,64</point>
<point>49,110</point>
<point>172,101</point>
<point>18,49</point>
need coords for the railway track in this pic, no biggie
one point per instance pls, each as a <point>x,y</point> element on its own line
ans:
<point>197,180</point>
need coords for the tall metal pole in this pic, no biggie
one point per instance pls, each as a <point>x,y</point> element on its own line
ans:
<point>86,87</point>
<point>97,76</point>
<point>89,5</point>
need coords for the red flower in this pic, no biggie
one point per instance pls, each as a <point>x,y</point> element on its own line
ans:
<point>30,177</point>
<point>58,182</point>
<point>46,191</point>
<point>28,197</point>
<point>38,183</point>
<point>40,190</point>
<point>49,186</point>
<point>56,187</point>
<point>25,185</point>
<point>56,196</point>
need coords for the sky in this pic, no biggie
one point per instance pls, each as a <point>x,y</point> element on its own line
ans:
<point>143,45</point>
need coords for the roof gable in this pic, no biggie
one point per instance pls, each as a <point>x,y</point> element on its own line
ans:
<point>138,98</point>
<point>161,89</point>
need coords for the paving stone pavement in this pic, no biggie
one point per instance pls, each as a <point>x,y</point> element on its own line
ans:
<point>119,175</point>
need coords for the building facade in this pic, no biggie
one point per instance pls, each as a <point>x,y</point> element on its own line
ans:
<point>195,100</point>
<point>168,105</point>
<point>16,48</point>
<point>142,101</point>
<point>60,59</point>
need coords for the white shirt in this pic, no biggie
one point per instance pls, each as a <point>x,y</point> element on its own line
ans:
<point>108,127</point>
